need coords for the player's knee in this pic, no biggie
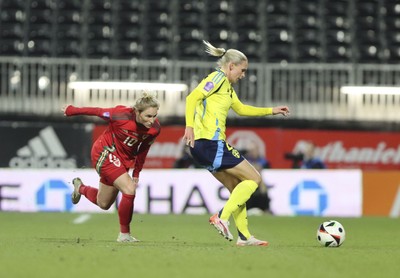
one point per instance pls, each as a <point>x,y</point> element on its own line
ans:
<point>104,205</point>
<point>258,180</point>
<point>130,190</point>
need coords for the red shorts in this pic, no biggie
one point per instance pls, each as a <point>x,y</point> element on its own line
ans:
<point>107,163</point>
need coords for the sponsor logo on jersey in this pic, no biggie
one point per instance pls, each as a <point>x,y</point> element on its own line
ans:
<point>114,160</point>
<point>209,86</point>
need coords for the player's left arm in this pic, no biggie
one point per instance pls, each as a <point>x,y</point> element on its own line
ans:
<point>141,155</point>
<point>248,110</point>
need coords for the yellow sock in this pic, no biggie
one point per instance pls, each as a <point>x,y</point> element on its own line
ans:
<point>240,217</point>
<point>239,196</point>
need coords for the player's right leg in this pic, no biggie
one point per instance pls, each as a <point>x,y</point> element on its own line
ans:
<point>80,189</point>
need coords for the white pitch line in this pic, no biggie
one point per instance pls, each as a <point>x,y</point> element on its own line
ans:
<point>395,211</point>
<point>82,219</point>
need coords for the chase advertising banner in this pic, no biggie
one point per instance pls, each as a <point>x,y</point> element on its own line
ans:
<point>292,192</point>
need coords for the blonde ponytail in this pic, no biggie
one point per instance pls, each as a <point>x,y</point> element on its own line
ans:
<point>225,56</point>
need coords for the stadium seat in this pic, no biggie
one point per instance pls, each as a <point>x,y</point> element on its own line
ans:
<point>394,54</point>
<point>99,48</point>
<point>126,18</point>
<point>338,53</point>
<point>40,31</point>
<point>12,31</point>
<point>278,52</point>
<point>190,50</point>
<point>132,32</point>
<point>336,8</point>
<point>68,48</point>
<point>11,47</point>
<point>277,21</point>
<point>247,21</point>
<point>190,19</point>
<point>308,36</point>
<point>189,34</point>
<point>99,32</point>
<point>159,6</point>
<point>307,53</point>
<point>307,22</point>
<point>68,31</point>
<point>307,7</point>
<point>39,48</point>
<point>252,50</point>
<point>127,49</point>
<point>278,7</point>
<point>367,22</point>
<point>336,22</point>
<point>100,5</point>
<point>157,49</point>
<point>45,16</point>
<point>131,5</point>
<point>367,7</point>
<point>69,5</point>
<point>99,17</point>
<point>13,4</point>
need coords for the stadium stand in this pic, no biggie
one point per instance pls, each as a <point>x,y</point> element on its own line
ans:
<point>346,31</point>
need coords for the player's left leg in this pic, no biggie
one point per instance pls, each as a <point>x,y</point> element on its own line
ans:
<point>239,215</point>
<point>125,184</point>
<point>249,179</point>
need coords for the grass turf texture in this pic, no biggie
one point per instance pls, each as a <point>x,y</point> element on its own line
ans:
<point>50,245</point>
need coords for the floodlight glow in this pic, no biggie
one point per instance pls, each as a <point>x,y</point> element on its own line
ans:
<point>372,90</point>
<point>130,86</point>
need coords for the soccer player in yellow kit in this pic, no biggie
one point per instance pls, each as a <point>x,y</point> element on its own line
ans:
<point>207,108</point>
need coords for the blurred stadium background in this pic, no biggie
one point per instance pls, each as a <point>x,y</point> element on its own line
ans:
<point>301,53</point>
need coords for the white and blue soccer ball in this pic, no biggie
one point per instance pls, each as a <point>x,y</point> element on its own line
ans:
<point>331,234</point>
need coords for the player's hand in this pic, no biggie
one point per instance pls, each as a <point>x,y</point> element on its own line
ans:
<point>188,138</point>
<point>284,110</point>
<point>64,109</point>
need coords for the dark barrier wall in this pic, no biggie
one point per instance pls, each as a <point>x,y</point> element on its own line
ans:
<point>45,145</point>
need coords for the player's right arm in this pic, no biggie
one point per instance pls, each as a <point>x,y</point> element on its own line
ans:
<point>191,101</point>
<point>103,113</point>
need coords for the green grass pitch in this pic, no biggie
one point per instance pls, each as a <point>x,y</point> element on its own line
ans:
<point>51,245</point>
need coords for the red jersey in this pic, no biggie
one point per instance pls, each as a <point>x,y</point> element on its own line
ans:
<point>131,140</point>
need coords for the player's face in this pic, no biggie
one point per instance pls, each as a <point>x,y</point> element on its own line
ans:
<point>237,72</point>
<point>147,116</point>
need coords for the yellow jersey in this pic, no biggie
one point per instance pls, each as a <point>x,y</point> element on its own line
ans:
<point>207,107</point>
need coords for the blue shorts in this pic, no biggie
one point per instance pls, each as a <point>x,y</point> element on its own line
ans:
<point>215,155</point>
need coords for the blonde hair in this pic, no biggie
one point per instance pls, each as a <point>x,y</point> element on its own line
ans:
<point>225,56</point>
<point>145,101</point>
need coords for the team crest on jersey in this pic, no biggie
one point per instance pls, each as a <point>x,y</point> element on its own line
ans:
<point>209,86</point>
<point>114,160</point>
<point>235,153</point>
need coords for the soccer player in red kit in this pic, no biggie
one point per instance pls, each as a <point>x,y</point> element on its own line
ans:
<point>123,145</point>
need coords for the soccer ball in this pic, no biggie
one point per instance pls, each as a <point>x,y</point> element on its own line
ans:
<point>331,234</point>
